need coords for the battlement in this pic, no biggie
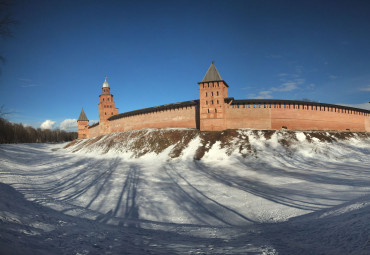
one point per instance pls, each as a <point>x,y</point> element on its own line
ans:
<point>215,110</point>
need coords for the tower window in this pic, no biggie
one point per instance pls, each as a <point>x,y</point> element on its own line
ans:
<point>105,113</point>
<point>103,99</point>
<point>215,110</point>
<point>217,93</point>
<point>212,93</point>
<point>212,101</point>
<point>206,94</point>
<point>206,102</point>
<point>208,110</point>
<point>217,102</point>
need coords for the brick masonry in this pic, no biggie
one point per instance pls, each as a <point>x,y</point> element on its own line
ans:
<point>216,111</point>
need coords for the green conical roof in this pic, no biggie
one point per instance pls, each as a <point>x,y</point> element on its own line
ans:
<point>82,116</point>
<point>212,74</point>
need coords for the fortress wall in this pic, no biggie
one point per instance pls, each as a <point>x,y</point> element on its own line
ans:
<point>295,116</point>
<point>183,117</point>
<point>309,117</point>
<point>367,123</point>
<point>94,131</point>
<point>245,116</point>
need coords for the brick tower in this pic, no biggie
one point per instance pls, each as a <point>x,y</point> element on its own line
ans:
<point>83,125</point>
<point>106,107</point>
<point>213,91</point>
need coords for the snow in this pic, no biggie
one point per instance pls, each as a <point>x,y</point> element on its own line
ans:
<point>308,198</point>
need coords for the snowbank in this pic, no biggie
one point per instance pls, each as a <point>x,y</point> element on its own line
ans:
<point>185,191</point>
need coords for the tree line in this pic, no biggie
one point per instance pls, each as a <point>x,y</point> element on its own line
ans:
<point>17,133</point>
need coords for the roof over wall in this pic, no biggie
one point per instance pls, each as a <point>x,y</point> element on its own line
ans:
<point>278,101</point>
<point>155,109</point>
<point>82,116</point>
<point>94,125</point>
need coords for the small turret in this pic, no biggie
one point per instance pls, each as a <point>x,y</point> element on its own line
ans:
<point>83,125</point>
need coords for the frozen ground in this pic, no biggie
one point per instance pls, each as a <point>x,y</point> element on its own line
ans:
<point>309,197</point>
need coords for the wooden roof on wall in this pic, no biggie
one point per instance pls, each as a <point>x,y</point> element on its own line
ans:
<point>279,101</point>
<point>155,109</point>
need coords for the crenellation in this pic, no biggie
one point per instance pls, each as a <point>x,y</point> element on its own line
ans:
<point>216,111</point>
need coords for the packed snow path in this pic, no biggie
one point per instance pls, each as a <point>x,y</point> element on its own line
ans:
<point>107,204</point>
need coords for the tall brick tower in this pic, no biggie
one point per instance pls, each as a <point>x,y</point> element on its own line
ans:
<point>83,125</point>
<point>213,91</point>
<point>106,107</point>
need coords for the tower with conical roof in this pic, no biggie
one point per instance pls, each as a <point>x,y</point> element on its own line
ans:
<point>212,93</point>
<point>83,125</point>
<point>106,107</point>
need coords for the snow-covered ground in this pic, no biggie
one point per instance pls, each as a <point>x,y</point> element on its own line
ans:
<point>308,197</point>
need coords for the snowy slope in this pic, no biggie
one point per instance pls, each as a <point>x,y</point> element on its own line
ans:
<point>258,192</point>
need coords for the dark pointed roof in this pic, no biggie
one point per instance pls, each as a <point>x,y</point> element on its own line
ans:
<point>212,74</point>
<point>82,116</point>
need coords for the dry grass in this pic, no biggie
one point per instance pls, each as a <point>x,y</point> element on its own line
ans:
<point>141,142</point>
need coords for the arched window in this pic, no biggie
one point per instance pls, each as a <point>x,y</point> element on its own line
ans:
<point>206,94</point>
<point>212,93</point>
<point>212,101</point>
<point>206,102</point>
<point>105,113</point>
<point>108,99</point>
<point>103,99</point>
<point>217,101</point>
<point>208,110</point>
<point>217,93</point>
<point>215,110</point>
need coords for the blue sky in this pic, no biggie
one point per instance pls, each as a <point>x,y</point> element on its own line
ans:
<point>155,52</point>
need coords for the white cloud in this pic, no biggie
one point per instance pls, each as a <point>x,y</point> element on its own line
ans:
<point>365,88</point>
<point>29,85</point>
<point>365,106</point>
<point>47,124</point>
<point>68,124</point>
<point>311,86</point>
<point>282,74</point>
<point>289,82</point>
<point>287,86</point>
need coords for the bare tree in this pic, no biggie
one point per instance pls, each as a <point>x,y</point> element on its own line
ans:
<point>6,23</point>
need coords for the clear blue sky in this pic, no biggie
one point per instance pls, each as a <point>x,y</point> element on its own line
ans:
<point>155,52</point>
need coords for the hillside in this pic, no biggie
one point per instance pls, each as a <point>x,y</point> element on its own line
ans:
<point>195,144</point>
<point>180,191</point>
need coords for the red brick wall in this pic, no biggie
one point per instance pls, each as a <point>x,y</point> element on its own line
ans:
<point>184,117</point>
<point>367,123</point>
<point>243,116</point>
<point>312,118</point>
<point>94,131</point>
<point>83,130</point>
<point>296,117</point>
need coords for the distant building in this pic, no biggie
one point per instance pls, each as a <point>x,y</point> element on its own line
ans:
<point>215,111</point>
